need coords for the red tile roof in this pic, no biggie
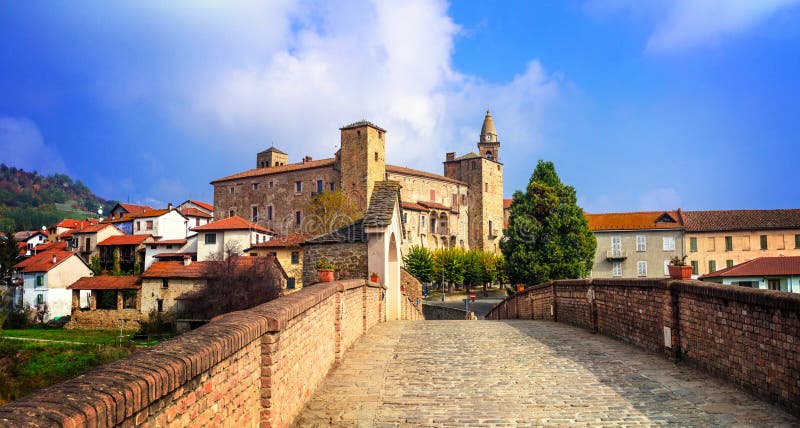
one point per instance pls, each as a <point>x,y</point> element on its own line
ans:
<point>43,262</point>
<point>724,220</point>
<point>105,282</point>
<point>417,173</point>
<point>433,205</point>
<point>293,240</point>
<point>50,246</point>
<point>173,255</point>
<point>75,224</point>
<point>171,242</point>
<point>762,266</point>
<point>148,213</point>
<point>232,223</point>
<point>507,203</point>
<point>172,269</point>
<point>133,208</point>
<point>90,229</point>
<point>634,220</point>
<point>202,204</point>
<point>413,207</point>
<point>194,212</point>
<point>125,240</point>
<point>258,172</point>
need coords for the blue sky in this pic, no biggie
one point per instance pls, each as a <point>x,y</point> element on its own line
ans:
<point>641,104</point>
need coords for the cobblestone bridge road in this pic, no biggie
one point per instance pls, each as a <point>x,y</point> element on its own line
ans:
<point>520,373</point>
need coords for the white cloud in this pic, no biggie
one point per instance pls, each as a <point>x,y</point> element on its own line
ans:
<point>22,146</point>
<point>322,66</point>
<point>679,25</point>
<point>660,199</point>
<point>691,23</point>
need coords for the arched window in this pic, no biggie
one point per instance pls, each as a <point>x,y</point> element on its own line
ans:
<point>489,156</point>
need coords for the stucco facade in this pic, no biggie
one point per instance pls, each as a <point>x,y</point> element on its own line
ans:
<point>717,250</point>
<point>50,286</point>
<point>632,260</point>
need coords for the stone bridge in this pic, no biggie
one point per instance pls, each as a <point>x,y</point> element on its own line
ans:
<point>589,352</point>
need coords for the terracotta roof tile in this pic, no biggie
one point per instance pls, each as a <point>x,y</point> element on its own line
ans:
<point>91,229</point>
<point>413,207</point>
<point>293,240</point>
<point>762,266</point>
<point>133,208</point>
<point>723,220</point>
<point>148,213</point>
<point>205,205</point>
<point>172,269</point>
<point>417,173</point>
<point>174,255</point>
<point>433,205</point>
<point>43,262</point>
<point>171,242</point>
<point>74,224</point>
<point>231,223</point>
<point>51,246</point>
<point>351,233</point>
<point>258,172</point>
<point>635,220</point>
<point>105,282</point>
<point>125,240</point>
<point>194,212</point>
<point>507,203</point>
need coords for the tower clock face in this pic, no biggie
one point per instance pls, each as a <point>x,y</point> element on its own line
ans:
<point>487,137</point>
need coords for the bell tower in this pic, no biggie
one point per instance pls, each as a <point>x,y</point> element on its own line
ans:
<point>489,146</point>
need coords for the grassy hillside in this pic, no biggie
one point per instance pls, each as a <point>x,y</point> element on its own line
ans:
<point>29,200</point>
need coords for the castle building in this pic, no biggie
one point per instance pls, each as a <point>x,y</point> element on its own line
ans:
<point>461,208</point>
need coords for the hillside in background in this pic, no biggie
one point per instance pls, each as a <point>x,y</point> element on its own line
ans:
<point>29,200</point>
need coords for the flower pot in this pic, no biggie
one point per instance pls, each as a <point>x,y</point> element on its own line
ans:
<point>325,275</point>
<point>374,278</point>
<point>680,272</point>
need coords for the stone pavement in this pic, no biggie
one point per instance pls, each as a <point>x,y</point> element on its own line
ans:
<point>520,373</point>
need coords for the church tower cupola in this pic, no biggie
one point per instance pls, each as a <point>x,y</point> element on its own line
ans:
<point>489,146</point>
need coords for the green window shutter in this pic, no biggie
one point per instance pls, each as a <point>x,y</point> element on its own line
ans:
<point>693,244</point>
<point>728,243</point>
<point>797,241</point>
<point>39,280</point>
<point>763,242</point>
<point>695,267</point>
<point>712,266</point>
<point>728,263</point>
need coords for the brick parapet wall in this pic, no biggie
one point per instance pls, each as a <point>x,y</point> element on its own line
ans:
<point>409,310</point>
<point>249,368</point>
<point>439,312</point>
<point>748,336</point>
<point>106,319</point>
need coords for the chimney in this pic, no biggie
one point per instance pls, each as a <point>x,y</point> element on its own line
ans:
<point>187,260</point>
<point>169,206</point>
<point>451,156</point>
<point>306,159</point>
<point>55,259</point>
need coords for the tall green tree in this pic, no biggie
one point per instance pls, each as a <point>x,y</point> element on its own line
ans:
<point>548,236</point>
<point>419,263</point>
<point>448,265</point>
<point>9,256</point>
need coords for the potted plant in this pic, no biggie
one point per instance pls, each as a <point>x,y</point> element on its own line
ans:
<point>373,277</point>
<point>325,270</point>
<point>678,268</point>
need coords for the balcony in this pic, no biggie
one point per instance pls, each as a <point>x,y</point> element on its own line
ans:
<point>616,255</point>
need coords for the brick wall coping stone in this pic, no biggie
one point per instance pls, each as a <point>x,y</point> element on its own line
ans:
<point>107,395</point>
<point>754,296</point>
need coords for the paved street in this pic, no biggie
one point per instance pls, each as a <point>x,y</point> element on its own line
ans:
<point>520,373</point>
<point>481,306</point>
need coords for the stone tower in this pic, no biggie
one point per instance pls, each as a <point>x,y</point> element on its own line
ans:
<point>271,157</point>
<point>483,174</point>
<point>361,160</point>
<point>488,146</point>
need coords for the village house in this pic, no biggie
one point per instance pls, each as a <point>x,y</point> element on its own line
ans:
<point>199,205</point>
<point>217,238</point>
<point>100,302</point>
<point>463,207</point>
<point>130,250</point>
<point>166,223</point>
<point>55,231</point>
<point>289,252</point>
<point>725,238</point>
<point>195,217</point>
<point>46,277</point>
<point>85,240</point>
<point>119,216</point>
<point>170,249</point>
<point>636,244</point>
<point>27,240</point>
<point>769,273</point>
